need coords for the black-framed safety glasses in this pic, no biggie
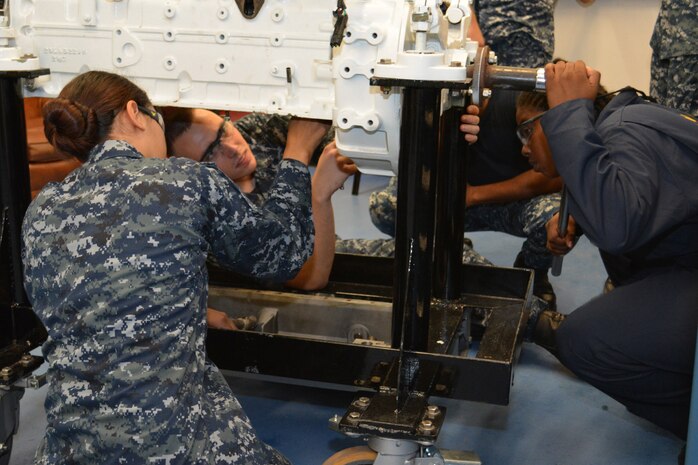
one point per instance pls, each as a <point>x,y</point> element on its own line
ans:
<point>208,154</point>
<point>524,131</point>
<point>153,114</point>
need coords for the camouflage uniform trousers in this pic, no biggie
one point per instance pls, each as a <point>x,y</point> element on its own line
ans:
<point>521,33</point>
<point>386,248</point>
<point>524,218</point>
<point>674,82</point>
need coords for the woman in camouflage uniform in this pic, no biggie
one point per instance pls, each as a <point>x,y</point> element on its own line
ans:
<point>114,261</point>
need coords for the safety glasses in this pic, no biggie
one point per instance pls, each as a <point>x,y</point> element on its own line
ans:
<point>210,150</point>
<point>153,114</point>
<point>524,131</point>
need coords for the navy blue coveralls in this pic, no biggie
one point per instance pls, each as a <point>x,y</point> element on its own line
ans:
<point>632,177</point>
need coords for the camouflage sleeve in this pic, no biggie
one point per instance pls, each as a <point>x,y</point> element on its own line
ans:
<point>676,30</point>
<point>271,242</point>
<point>521,33</point>
<point>264,130</point>
<point>382,206</point>
<point>269,131</point>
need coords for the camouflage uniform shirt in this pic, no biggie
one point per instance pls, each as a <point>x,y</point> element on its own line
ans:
<point>521,33</point>
<point>266,135</point>
<point>674,69</point>
<point>114,261</point>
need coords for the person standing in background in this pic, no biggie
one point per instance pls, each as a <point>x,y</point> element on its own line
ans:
<point>674,69</point>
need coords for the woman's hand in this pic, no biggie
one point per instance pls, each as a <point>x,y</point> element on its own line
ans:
<point>219,320</point>
<point>557,244</point>
<point>566,81</point>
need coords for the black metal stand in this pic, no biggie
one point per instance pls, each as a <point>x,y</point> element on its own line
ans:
<point>20,330</point>
<point>14,180</point>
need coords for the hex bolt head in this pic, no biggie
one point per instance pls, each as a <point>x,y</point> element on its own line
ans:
<point>433,410</point>
<point>426,426</point>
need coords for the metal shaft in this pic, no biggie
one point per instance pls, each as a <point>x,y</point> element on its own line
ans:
<point>556,268</point>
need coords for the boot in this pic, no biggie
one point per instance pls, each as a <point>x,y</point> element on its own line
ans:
<point>544,333</point>
<point>541,285</point>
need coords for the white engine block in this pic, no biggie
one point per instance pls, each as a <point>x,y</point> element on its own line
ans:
<point>274,57</point>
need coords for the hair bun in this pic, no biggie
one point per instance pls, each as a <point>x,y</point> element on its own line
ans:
<point>71,127</point>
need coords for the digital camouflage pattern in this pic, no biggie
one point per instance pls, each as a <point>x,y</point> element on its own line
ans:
<point>115,267</point>
<point>386,248</point>
<point>524,218</point>
<point>266,135</point>
<point>674,74</point>
<point>521,33</point>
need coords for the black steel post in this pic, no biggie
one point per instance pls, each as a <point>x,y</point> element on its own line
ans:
<point>415,218</point>
<point>14,180</point>
<point>450,207</point>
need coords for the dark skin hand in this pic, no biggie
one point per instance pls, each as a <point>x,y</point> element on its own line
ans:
<point>556,244</point>
<point>565,81</point>
<point>470,123</point>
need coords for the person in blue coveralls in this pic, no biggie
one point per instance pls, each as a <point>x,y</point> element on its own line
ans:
<point>630,174</point>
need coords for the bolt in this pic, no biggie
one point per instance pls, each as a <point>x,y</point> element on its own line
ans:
<point>375,379</point>
<point>487,93</point>
<point>433,410</point>
<point>385,61</point>
<point>333,422</point>
<point>492,58</point>
<point>456,64</point>
<point>7,371</point>
<point>426,426</point>
<point>353,416</point>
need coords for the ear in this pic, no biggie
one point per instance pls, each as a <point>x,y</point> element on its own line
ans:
<point>132,117</point>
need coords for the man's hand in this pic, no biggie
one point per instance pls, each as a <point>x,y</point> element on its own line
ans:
<point>331,172</point>
<point>304,135</point>
<point>570,81</point>
<point>470,123</point>
<point>556,244</point>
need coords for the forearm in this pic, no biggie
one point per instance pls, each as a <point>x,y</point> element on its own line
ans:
<point>271,242</point>
<point>524,186</point>
<point>316,271</point>
<point>613,181</point>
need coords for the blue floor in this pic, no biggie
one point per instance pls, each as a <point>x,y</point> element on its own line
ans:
<point>552,418</point>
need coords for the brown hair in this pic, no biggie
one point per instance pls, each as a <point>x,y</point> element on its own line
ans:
<point>82,115</point>
<point>177,121</point>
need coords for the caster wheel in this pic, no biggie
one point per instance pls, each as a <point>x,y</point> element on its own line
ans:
<point>359,455</point>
